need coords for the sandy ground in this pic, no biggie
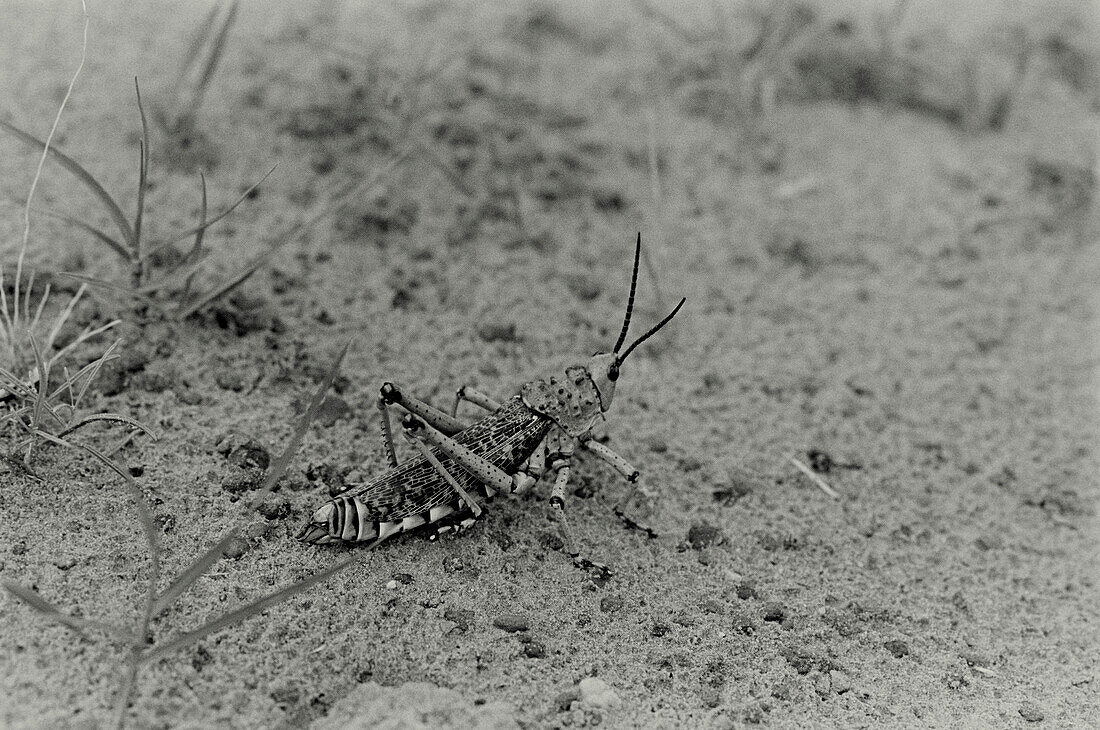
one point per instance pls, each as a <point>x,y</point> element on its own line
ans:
<point>904,298</point>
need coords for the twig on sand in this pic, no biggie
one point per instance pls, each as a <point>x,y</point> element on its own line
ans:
<point>821,483</point>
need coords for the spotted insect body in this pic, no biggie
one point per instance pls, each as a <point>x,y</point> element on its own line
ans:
<point>461,465</point>
<point>410,495</point>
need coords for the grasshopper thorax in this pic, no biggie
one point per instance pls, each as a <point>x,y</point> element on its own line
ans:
<point>576,401</point>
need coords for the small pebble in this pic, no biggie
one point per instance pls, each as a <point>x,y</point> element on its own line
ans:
<point>782,691</point>
<point>332,409</point>
<point>1031,712</point>
<point>841,681</point>
<point>550,541</point>
<point>598,693</point>
<point>975,658</point>
<point>511,622</point>
<point>743,623</point>
<point>257,531</point>
<point>702,535</point>
<point>497,331</point>
<point>775,612</point>
<point>897,647</point>
<point>534,650</point>
<point>460,617</point>
<point>611,604</point>
<point>248,455</point>
<point>273,509</point>
<point>564,700</point>
<point>236,548</point>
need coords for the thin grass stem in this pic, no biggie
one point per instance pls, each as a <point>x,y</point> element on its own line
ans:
<point>42,159</point>
<point>203,563</point>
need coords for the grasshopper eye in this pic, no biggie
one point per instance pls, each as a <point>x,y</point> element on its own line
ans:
<point>613,372</point>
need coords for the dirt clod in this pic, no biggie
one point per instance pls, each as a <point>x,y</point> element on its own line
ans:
<point>702,535</point>
<point>511,622</point>
<point>597,693</point>
<point>534,649</point>
<point>1031,712</point>
<point>249,454</point>
<point>897,647</point>
<point>460,617</point>
<point>236,549</point>
<point>775,612</point>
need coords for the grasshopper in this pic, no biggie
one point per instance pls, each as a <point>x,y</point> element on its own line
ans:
<point>459,465</point>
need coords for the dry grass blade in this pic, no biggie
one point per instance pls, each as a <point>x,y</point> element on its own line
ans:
<point>91,370</point>
<point>85,335</point>
<point>195,46</point>
<point>15,385</point>
<point>821,483</point>
<point>654,13</point>
<point>143,176</point>
<point>292,234</point>
<point>199,567</point>
<point>144,516</point>
<point>62,318</point>
<point>194,256</point>
<point>281,463</point>
<point>52,613</point>
<point>153,541</point>
<point>39,398</point>
<point>113,418</point>
<point>247,611</point>
<point>80,174</point>
<point>213,57</point>
<point>209,222</point>
<point>123,291</point>
<point>184,272</point>
<point>196,570</point>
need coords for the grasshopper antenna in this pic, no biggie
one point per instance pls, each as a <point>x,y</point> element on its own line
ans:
<point>630,301</point>
<point>647,335</point>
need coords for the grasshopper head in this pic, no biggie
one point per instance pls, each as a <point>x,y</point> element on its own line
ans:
<point>578,400</point>
<point>603,367</point>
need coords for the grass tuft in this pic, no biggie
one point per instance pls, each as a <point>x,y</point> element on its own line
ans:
<point>128,243</point>
<point>141,650</point>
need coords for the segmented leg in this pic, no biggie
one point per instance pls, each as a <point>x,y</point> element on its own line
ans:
<point>387,431</point>
<point>617,462</point>
<point>472,395</point>
<point>484,470</point>
<point>414,435</point>
<point>636,505</point>
<point>535,466</point>
<point>437,419</point>
<point>557,501</point>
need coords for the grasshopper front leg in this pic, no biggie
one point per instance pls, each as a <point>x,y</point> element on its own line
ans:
<point>637,490</point>
<point>560,448</point>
